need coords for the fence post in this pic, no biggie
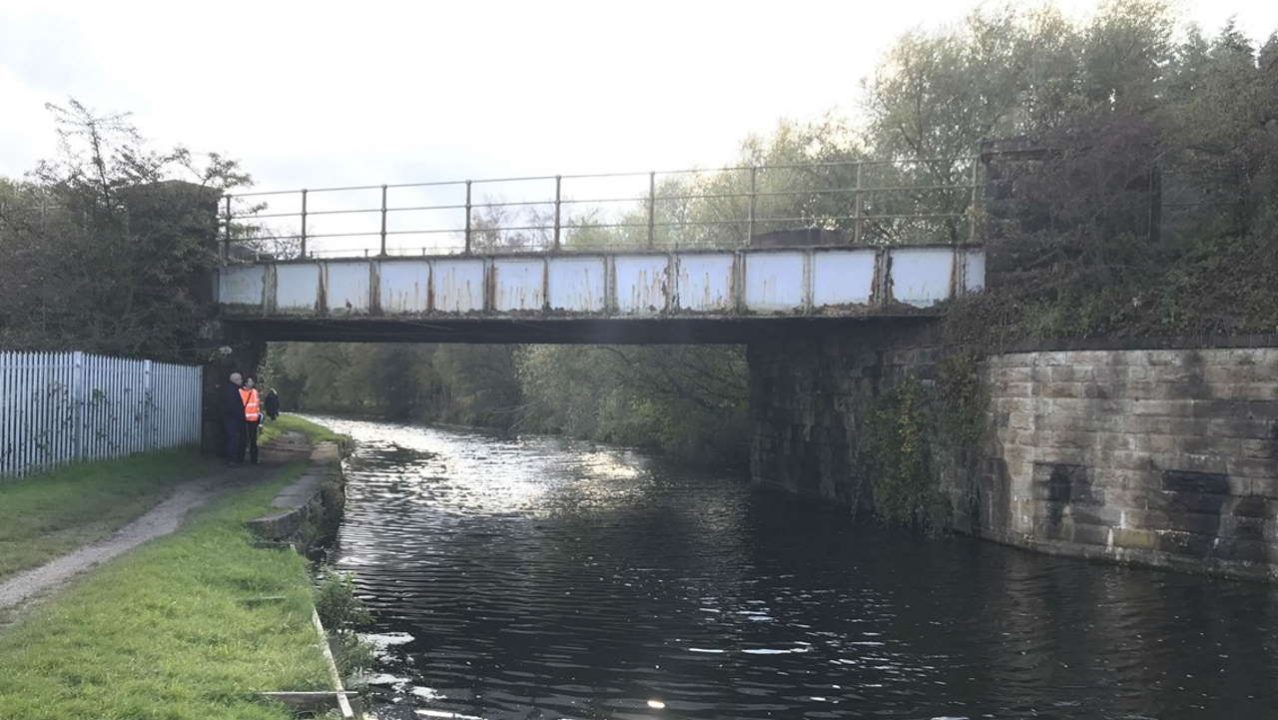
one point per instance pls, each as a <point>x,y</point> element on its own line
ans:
<point>652,209</point>
<point>303,255</point>
<point>198,432</point>
<point>383,221</point>
<point>148,407</point>
<point>754,194</point>
<point>467,217</point>
<point>859,209</point>
<point>558,204</point>
<point>77,404</point>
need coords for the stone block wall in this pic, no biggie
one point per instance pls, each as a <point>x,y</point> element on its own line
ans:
<point>810,394</point>
<point>1161,457</point>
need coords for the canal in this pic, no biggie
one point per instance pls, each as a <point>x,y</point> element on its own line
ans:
<point>537,577</point>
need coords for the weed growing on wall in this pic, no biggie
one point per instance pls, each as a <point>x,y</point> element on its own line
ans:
<point>962,405</point>
<point>900,429</point>
<point>962,401</point>
<point>917,435</point>
<point>343,613</point>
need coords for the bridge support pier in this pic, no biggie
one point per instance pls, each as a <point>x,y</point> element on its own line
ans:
<point>812,392</point>
<point>236,351</point>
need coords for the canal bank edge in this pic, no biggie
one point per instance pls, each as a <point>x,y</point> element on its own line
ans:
<point>1163,456</point>
<point>309,509</point>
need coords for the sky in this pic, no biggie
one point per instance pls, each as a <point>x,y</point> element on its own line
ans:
<point>313,94</point>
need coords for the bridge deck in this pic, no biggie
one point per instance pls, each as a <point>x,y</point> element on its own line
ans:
<point>574,297</point>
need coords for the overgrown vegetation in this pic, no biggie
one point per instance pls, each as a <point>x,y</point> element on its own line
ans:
<point>898,460</point>
<point>1131,189</point>
<point>343,614</point>
<point>1140,194</point>
<point>686,400</point>
<point>921,443</point>
<point>961,400</point>
<point>177,629</point>
<point>49,514</point>
<point>100,253</point>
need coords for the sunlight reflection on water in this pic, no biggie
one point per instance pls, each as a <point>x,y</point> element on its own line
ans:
<point>535,578</point>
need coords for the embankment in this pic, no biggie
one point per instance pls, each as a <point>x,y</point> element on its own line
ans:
<point>203,623</point>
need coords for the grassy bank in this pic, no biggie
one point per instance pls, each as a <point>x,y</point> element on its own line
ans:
<point>171,631</point>
<point>292,423</point>
<point>47,515</point>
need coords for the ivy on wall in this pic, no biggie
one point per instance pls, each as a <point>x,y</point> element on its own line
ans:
<point>922,440</point>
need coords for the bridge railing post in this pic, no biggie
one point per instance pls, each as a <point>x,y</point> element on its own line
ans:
<point>467,236</point>
<point>973,210</point>
<point>302,253</point>
<point>858,210</point>
<point>652,209</point>
<point>226,234</point>
<point>383,252</point>
<point>558,204</point>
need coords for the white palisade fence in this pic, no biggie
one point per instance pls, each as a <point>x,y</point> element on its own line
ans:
<point>63,407</point>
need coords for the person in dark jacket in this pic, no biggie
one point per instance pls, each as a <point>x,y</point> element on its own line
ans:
<point>233,418</point>
<point>272,404</point>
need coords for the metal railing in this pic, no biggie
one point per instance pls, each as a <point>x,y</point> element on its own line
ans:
<point>830,203</point>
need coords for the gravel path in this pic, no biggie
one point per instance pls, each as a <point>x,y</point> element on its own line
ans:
<point>159,521</point>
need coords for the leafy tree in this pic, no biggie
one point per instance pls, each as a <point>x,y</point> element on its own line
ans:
<point>100,251</point>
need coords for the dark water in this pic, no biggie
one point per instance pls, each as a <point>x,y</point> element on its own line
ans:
<point>538,578</point>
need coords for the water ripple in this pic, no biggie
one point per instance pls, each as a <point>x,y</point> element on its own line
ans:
<point>531,577</point>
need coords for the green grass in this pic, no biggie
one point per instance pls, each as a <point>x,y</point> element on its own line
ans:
<point>164,632</point>
<point>293,423</point>
<point>47,515</point>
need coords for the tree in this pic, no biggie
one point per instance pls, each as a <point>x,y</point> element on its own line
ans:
<point>100,251</point>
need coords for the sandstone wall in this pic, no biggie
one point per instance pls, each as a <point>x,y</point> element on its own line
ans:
<point>1165,457</point>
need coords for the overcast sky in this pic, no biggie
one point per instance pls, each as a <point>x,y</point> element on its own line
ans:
<point>367,92</point>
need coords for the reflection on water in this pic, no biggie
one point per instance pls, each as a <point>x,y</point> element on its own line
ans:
<point>540,578</point>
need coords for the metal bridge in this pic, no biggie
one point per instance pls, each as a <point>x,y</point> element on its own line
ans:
<point>681,256</point>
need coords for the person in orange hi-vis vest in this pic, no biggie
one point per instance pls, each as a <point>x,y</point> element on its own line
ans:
<point>252,419</point>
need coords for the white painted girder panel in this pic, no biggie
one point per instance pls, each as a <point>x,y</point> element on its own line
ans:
<point>404,286</point>
<point>921,276</point>
<point>519,285</point>
<point>242,285</point>
<point>577,284</point>
<point>774,282</point>
<point>458,285</point>
<point>297,287</point>
<point>346,287</point>
<point>827,281</point>
<point>705,283</point>
<point>975,273</point>
<point>642,284</point>
<point>842,277</point>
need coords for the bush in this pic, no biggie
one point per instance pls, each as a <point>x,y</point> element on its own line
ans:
<point>338,607</point>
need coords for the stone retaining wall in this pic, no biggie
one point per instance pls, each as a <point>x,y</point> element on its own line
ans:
<point>305,513</point>
<point>1163,457</point>
<point>810,395</point>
